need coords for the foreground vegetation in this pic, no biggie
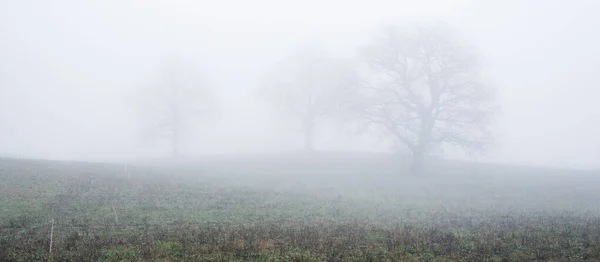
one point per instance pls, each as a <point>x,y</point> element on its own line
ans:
<point>317,209</point>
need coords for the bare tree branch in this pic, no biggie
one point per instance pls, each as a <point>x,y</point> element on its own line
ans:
<point>170,100</point>
<point>424,89</point>
<point>313,87</point>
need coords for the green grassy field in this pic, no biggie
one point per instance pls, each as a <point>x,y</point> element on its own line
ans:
<point>324,207</point>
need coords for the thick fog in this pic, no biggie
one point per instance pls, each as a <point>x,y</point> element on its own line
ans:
<point>71,71</point>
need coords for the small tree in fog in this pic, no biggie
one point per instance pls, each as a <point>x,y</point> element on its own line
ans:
<point>308,88</point>
<point>172,101</point>
<point>424,88</point>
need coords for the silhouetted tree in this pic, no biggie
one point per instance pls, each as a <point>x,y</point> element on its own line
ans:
<point>424,88</point>
<point>309,87</point>
<point>171,101</point>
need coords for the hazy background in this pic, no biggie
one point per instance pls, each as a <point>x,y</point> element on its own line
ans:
<point>68,70</point>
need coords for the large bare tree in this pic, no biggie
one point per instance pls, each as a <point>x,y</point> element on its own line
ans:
<point>308,88</point>
<point>171,102</point>
<point>425,89</point>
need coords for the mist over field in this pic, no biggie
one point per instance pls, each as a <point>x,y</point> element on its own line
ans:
<point>69,71</point>
<point>434,130</point>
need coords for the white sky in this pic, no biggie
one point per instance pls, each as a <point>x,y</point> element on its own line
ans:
<point>67,69</point>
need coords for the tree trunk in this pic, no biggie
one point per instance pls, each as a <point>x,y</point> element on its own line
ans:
<point>309,125</point>
<point>176,121</point>
<point>421,149</point>
<point>308,137</point>
<point>175,143</point>
<point>174,148</point>
<point>418,162</point>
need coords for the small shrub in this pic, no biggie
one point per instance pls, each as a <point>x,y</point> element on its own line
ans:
<point>118,254</point>
<point>166,249</point>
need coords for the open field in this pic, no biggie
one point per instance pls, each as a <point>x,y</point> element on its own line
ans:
<point>324,207</point>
